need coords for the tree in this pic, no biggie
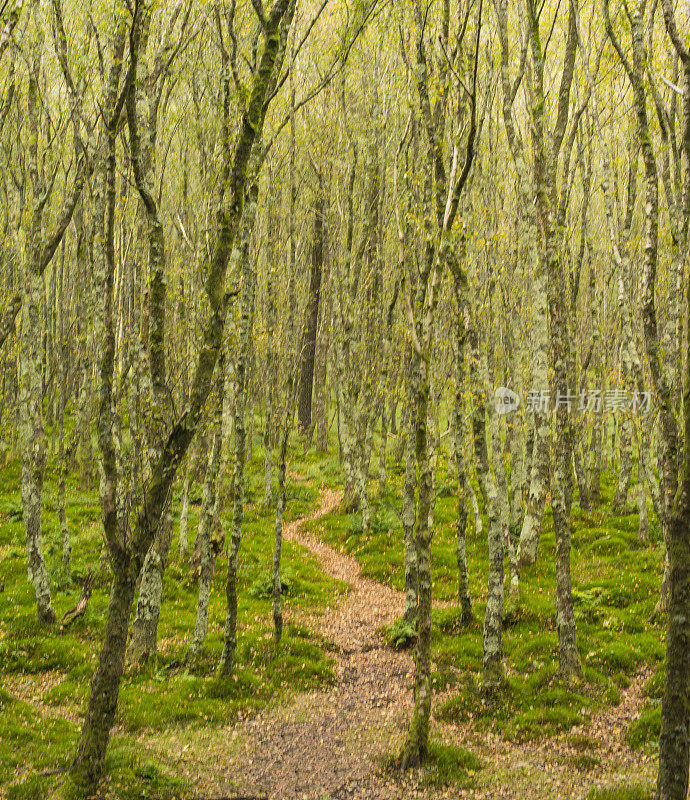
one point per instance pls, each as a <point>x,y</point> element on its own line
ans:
<point>674,743</point>
<point>442,195</point>
<point>127,553</point>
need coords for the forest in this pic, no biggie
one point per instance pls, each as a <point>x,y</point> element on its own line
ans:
<point>344,399</point>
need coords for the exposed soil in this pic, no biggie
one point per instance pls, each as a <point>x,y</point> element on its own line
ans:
<point>326,742</point>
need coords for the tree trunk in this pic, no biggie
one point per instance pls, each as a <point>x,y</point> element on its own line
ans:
<point>620,499</point>
<point>641,494</point>
<point>62,460</point>
<point>32,439</point>
<point>32,443</point>
<point>280,509</point>
<point>308,349</point>
<point>144,639</point>
<point>466,614</point>
<point>493,617</point>
<point>206,523</point>
<point>245,337</point>
<point>183,542</point>
<point>271,372</point>
<point>87,768</point>
<point>674,742</point>
<point>408,517</point>
<point>417,740</point>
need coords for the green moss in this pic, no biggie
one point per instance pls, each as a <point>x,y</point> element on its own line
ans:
<point>622,792</point>
<point>401,634</point>
<point>646,729</point>
<point>31,743</point>
<point>654,688</point>
<point>615,590</point>
<point>448,765</point>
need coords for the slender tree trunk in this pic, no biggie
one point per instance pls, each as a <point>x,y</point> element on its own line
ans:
<point>595,450</point>
<point>545,168</point>
<point>620,499</point>
<point>244,345</point>
<point>408,518</point>
<point>320,379</point>
<point>206,522</point>
<point>466,614</point>
<point>277,583</point>
<point>674,742</point>
<point>271,372</point>
<point>308,350</point>
<point>418,735</point>
<point>641,494</point>
<point>62,460</point>
<point>493,617</point>
<point>183,542</point>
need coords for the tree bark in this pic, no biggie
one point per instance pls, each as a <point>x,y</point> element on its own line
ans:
<point>674,742</point>
<point>408,519</point>
<point>464,599</point>
<point>308,349</point>
<point>247,292</point>
<point>206,523</point>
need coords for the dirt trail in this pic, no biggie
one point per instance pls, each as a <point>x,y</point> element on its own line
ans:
<point>324,744</point>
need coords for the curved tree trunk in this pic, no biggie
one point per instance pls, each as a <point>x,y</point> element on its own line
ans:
<point>128,553</point>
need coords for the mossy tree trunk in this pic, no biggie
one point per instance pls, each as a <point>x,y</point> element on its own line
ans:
<point>545,168</point>
<point>271,371</point>
<point>674,742</point>
<point>538,472</point>
<point>441,195</point>
<point>308,349</point>
<point>206,522</point>
<point>493,615</point>
<point>247,292</point>
<point>620,498</point>
<point>408,518</point>
<point>40,249</point>
<point>142,103</point>
<point>464,599</point>
<point>63,360</point>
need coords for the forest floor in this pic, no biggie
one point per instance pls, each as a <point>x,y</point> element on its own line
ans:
<point>337,743</point>
<point>323,716</point>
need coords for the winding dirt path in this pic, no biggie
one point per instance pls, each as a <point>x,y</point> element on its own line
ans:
<point>324,743</point>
